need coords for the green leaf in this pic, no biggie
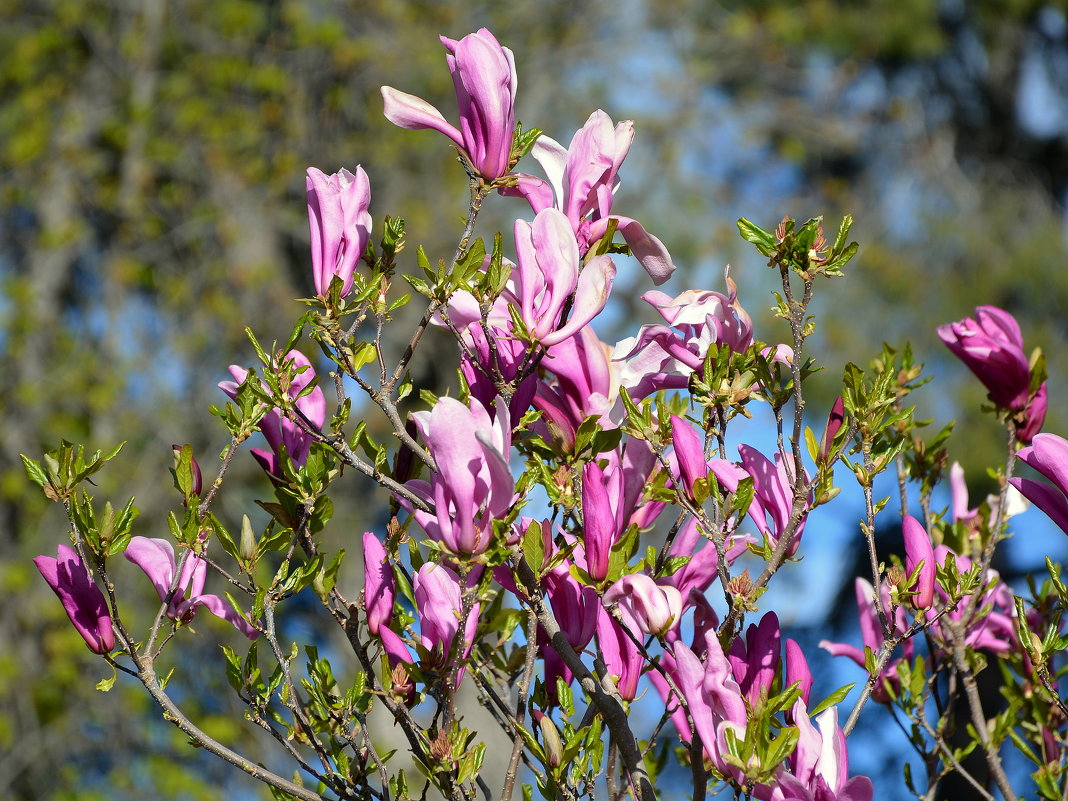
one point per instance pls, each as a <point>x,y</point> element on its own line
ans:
<point>764,241</point>
<point>105,685</point>
<point>256,346</point>
<point>524,141</point>
<point>534,547</point>
<point>34,470</point>
<point>831,700</point>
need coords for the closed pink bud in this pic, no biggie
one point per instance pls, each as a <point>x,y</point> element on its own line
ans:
<point>918,549</point>
<point>378,583</point>
<point>82,600</point>
<point>645,605</point>
<point>797,671</point>
<point>689,452</point>
<point>834,424</point>
<point>340,225</point>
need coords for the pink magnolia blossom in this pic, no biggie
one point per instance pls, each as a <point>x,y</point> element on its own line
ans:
<point>550,277</point>
<point>820,763</point>
<point>378,583</point>
<point>495,350</point>
<point>644,604</point>
<point>280,431</point>
<point>772,506</point>
<point>714,698</point>
<point>484,76</point>
<point>378,599</point>
<point>473,484</point>
<point>797,671</point>
<point>582,180</point>
<point>82,600</point>
<point>835,420</point>
<point>156,558</point>
<point>621,655</point>
<point>577,609</point>
<point>689,453</point>
<point>439,605</point>
<point>919,549</point>
<point>664,356</point>
<point>602,524</point>
<point>694,577</point>
<point>579,382</point>
<point>872,637</point>
<point>991,346</point>
<point>1048,454</point>
<point>340,225</point>
<point>755,661</point>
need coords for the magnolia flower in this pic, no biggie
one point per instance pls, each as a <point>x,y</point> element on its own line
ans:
<point>378,583</point>
<point>835,420</point>
<point>602,524</point>
<point>714,699</point>
<point>689,452</point>
<point>621,655</point>
<point>484,75</point>
<point>156,558</point>
<point>872,636</point>
<point>577,609</point>
<point>772,506</point>
<point>1048,454</point>
<point>820,763</point>
<point>579,383</point>
<point>919,550</point>
<point>280,431</point>
<point>797,671</point>
<point>550,276</point>
<point>755,662</point>
<point>473,484</point>
<point>438,600</point>
<point>582,180</point>
<point>644,605</point>
<point>664,356</point>
<point>992,347</point>
<point>82,600</point>
<point>340,225</point>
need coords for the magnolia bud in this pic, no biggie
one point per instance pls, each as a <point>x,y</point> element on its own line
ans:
<point>550,738</point>
<point>247,549</point>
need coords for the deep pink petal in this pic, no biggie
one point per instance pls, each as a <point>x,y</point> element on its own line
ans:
<point>156,558</point>
<point>408,111</point>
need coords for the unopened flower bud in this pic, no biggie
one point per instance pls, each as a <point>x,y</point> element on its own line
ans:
<point>247,549</point>
<point>550,738</point>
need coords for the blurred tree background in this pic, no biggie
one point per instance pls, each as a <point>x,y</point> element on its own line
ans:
<point>152,159</point>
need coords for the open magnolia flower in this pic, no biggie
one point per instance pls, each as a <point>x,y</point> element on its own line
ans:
<point>156,558</point>
<point>485,79</point>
